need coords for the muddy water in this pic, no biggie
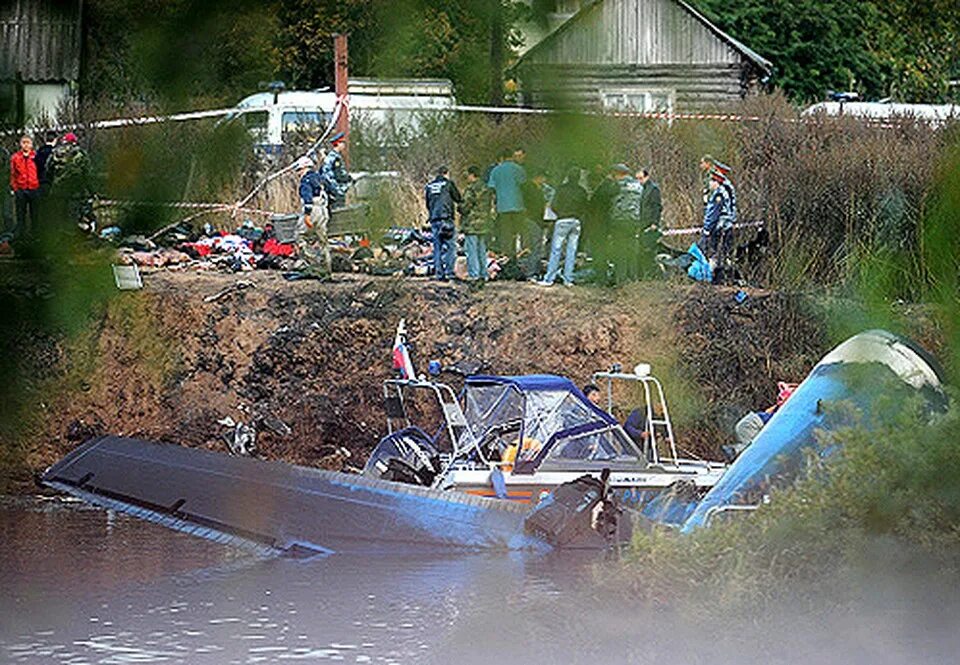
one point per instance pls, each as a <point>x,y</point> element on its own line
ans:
<point>82,585</point>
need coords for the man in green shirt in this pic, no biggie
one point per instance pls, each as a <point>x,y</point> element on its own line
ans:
<point>476,222</point>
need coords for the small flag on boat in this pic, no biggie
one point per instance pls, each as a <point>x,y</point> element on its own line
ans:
<point>401,355</point>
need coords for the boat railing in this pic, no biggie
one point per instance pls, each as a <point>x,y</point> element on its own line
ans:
<point>729,508</point>
<point>652,390</point>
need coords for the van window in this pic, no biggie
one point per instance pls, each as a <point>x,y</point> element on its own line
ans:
<point>256,124</point>
<point>299,121</point>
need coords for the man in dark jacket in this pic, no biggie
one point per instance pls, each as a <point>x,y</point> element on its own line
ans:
<point>441,196</point>
<point>651,211</point>
<point>651,205</point>
<point>44,166</point>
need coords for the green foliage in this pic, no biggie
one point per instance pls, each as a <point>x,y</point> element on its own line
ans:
<point>905,49</point>
<point>895,482</point>
<point>178,53</point>
<point>398,38</point>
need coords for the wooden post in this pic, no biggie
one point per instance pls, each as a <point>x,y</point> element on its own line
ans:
<point>341,84</point>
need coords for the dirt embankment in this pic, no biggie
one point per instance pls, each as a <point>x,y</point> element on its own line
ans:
<point>165,364</point>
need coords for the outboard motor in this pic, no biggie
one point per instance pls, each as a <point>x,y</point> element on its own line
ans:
<point>407,456</point>
<point>578,514</point>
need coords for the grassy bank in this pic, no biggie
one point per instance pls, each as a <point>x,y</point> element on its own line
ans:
<point>889,502</point>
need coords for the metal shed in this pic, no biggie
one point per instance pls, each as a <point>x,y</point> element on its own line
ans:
<point>639,55</point>
<point>40,57</point>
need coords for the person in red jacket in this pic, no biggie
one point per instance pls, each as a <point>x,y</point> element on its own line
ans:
<point>25,185</point>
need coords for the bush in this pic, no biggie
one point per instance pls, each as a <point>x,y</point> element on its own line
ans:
<point>894,486</point>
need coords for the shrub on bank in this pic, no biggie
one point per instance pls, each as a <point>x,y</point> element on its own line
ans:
<point>892,493</point>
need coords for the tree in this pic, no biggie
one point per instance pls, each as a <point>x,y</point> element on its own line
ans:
<point>175,52</point>
<point>467,41</point>
<point>905,49</point>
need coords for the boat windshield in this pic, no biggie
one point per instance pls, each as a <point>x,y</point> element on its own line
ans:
<point>492,406</point>
<point>531,414</point>
<point>607,444</point>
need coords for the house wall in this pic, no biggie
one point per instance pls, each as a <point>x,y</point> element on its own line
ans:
<point>40,40</point>
<point>689,87</point>
<point>642,32</point>
<point>40,47</point>
<point>636,45</point>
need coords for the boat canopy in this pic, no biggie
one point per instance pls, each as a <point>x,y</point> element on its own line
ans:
<point>543,412</point>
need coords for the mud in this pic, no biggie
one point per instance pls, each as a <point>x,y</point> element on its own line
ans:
<point>166,365</point>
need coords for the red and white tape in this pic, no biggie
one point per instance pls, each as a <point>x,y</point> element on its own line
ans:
<point>698,229</point>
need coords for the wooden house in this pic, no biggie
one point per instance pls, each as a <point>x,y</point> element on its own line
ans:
<point>39,58</point>
<point>638,55</point>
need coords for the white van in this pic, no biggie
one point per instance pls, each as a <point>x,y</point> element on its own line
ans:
<point>935,114</point>
<point>398,103</point>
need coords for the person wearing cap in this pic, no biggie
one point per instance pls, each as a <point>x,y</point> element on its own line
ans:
<point>717,208</point>
<point>333,172</point>
<point>25,185</point>
<point>442,196</point>
<point>70,185</point>
<point>728,216</point>
<point>313,217</point>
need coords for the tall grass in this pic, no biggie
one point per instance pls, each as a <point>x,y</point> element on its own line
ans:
<point>891,492</point>
<point>830,190</point>
<point>894,486</point>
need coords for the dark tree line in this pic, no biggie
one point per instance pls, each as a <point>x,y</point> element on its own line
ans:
<point>180,50</point>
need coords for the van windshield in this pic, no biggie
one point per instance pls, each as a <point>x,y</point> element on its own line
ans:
<point>303,121</point>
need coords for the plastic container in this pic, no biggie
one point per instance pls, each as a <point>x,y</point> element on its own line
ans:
<point>285,227</point>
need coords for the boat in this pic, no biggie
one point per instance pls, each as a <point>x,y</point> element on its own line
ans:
<point>515,463</point>
<point>518,438</point>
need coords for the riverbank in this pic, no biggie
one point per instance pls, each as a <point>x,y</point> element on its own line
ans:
<point>171,362</point>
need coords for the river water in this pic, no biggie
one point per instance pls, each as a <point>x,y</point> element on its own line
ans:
<point>84,585</point>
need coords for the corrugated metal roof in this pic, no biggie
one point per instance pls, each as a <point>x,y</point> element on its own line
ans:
<point>649,32</point>
<point>40,40</point>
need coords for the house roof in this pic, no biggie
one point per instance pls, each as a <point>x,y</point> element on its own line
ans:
<point>738,46</point>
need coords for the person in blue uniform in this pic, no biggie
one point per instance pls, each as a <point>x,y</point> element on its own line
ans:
<point>313,217</point>
<point>717,208</point>
<point>333,173</point>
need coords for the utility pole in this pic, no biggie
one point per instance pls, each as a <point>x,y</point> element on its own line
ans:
<point>341,88</point>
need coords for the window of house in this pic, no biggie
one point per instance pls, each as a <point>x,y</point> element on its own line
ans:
<point>641,101</point>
